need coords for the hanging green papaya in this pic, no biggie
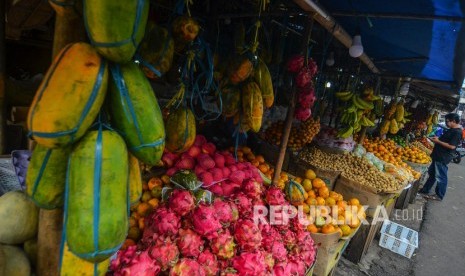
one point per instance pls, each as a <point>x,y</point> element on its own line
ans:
<point>135,113</point>
<point>180,130</point>
<point>116,27</point>
<point>263,78</point>
<point>96,200</point>
<point>252,105</point>
<point>46,176</point>
<point>71,265</point>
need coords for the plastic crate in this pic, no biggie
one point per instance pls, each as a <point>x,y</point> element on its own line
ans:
<point>398,238</point>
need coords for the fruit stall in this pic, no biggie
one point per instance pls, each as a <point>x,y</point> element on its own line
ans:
<point>207,138</point>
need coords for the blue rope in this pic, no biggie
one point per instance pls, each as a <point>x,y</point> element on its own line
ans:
<point>138,58</point>
<point>65,214</point>
<point>140,6</point>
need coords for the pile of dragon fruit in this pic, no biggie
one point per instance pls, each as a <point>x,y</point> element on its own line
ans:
<point>304,73</point>
<point>184,236</point>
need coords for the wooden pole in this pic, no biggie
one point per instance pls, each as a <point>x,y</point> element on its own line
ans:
<point>2,77</point>
<point>290,111</point>
<point>68,28</point>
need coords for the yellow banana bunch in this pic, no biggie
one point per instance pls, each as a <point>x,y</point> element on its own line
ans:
<point>400,111</point>
<point>393,127</point>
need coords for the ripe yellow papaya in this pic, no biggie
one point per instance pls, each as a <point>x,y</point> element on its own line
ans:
<point>135,180</point>
<point>263,78</point>
<point>252,105</point>
<point>180,130</point>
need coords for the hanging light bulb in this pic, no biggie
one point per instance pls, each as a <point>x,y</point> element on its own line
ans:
<point>330,60</point>
<point>356,49</point>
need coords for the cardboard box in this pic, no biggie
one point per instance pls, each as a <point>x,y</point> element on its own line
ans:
<point>328,257</point>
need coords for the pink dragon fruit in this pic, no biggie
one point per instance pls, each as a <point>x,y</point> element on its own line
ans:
<point>189,243</point>
<point>164,222</point>
<point>281,269</point>
<point>205,221</point>
<point>312,67</point>
<point>298,224</point>
<point>250,263</point>
<point>296,266</point>
<point>274,196</point>
<point>247,235</point>
<point>308,256</point>
<point>165,252</point>
<point>225,265</point>
<point>302,114</point>
<point>243,203</point>
<point>229,271</point>
<point>289,239</point>
<point>223,246</point>
<point>187,267</point>
<point>123,258</point>
<point>269,260</point>
<point>200,140</point>
<point>304,240</point>
<point>252,189</point>
<point>295,63</point>
<point>306,100</point>
<point>303,78</point>
<point>279,251</point>
<point>181,202</point>
<point>142,264</point>
<point>226,212</point>
<point>208,262</point>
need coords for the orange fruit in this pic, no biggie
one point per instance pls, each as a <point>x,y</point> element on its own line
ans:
<point>330,201</point>
<point>146,196</point>
<point>153,202</point>
<point>250,156</point>
<point>311,194</point>
<point>154,182</point>
<point>141,223</point>
<point>310,174</point>
<point>328,229</point>
<point>306,208</point>
<point>256,164</point>
<point>354,222</point>
<point>165,179</point>
<point>342,205</point>
<point>260,158</point>
<point>246,150</point>
<point>318,183</point>
<point>354,201</point>
<point>144,209</point>
<point>338,230</point>
<point>320,201</point>
<point>298,180</point>
<point>312,228</point>
<point>311,201</point>
<point>132,222</point>
<point>145,186</point>
<point>323,192</point>
<point>307,184</point>
<point>346,230</point>
<point>263,168</point>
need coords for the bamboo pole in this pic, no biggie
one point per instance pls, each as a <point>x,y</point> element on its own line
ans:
<point>2,77</point>
<point>68,28</point>
<point>291,110</point>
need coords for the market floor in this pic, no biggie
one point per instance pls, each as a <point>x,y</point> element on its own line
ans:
<point>442,237</point>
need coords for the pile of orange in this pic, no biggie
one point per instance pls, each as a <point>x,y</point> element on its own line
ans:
<point>150,199</point>
<point>318,194</point>
<point>415,155</point>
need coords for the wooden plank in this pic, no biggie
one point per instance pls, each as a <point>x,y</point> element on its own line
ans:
<point>68,28</point>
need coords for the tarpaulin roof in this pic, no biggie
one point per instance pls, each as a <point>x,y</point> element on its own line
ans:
<point>422,39</point>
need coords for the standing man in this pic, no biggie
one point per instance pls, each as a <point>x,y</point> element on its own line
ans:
<point>443,153</point>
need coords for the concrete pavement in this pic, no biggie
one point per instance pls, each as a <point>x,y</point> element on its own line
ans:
<point>441,227</point>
